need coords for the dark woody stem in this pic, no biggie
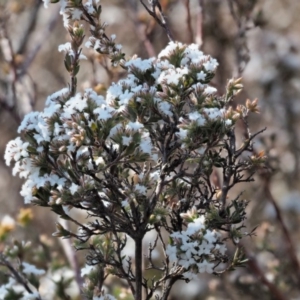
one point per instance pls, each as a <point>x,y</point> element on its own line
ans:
<point>138,268</point>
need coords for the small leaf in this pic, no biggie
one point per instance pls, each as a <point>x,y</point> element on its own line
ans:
<point>76,70</point>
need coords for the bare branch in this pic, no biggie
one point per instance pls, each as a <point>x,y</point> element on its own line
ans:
<point>159,19</point>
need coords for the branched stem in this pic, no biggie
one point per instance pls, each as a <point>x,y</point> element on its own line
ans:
<point>138,268</point>
<point>253,264</point>
<point>159,19</point>
<point>286,234</point>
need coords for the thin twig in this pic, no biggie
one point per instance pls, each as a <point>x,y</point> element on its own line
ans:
<point>254,266</point>
<point>17,276</point>
<point>290,245</point>
<point>200,18</point>
<point>141,32</point>
<point>159,19</point>
<point>45,34</point>
<point>30,26</point>
<point>241,46</point>
<point>189,22</point>
<point>9,56</point>
<point>71,256</point>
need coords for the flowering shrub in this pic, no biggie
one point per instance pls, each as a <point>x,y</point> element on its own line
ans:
<point>138,159</point>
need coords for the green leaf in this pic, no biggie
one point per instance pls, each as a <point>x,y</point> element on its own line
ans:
<point>76,70</point>
<point>68,63</point>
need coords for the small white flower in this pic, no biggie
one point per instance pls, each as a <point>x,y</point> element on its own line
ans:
<point>205,266</point>
<point>171,251</point>
<point>170,48</point>
<point>124,203</point>
<point>104,112</point>
<point>141,64</point>
<point>31,269</point>
<point>146,145</point>
<point>126,140</point>
<point>87,270</point>
<point>141,189</point>
<point>134,126</point>
<point>201,76</point>
<point>15,149</point>
<point>195,116</point>
<point>65,47</point>
<point>165,108</point>
<point>76,14</point>
<point>211,65</point>
<point>73,188</point>
<point>228,122</point>
<point>209,90</point>
<point>182,134</point>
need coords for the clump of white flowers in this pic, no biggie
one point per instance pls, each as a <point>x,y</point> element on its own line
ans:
<point>86,123</point>
<point>195,248</point>
<point>137,159</point>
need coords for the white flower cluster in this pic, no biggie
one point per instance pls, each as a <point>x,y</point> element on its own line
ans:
<point>85,271</point>
<point>70,124</point>
<point>123,156</point>
<point>17,288</point>
<point>67,48</point>
<point>73,13</point>
<point>31,269</point>
<point>71,135</point>
<point>195,248</point>
<point>13,285</point>
<point>179,68</point>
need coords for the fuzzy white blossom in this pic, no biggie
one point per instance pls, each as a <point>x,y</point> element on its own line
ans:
<point>192,247</point>
<point>141,64</point>
<point>31,269</point>
<point>87,270</point>
<point>15,149</point>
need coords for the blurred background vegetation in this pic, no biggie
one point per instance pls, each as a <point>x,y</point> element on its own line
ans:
<point>254,39</point>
